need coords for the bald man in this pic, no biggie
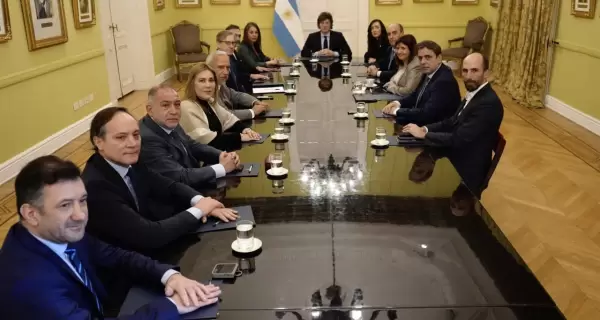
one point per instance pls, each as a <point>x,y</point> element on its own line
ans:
<point>471,134</point>
<point>386,66</point>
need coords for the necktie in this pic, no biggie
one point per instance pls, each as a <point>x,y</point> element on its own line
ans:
<point>425,83</point>
<point>175,138</point>
<point>128,181</point>
<point>462,106</point>
<point>325,43</point>
<point>72,255</point>
<point>391,59</point>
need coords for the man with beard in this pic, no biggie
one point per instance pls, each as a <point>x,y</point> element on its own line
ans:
<point>471,135</point>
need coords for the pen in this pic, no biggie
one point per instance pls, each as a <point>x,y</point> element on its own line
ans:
<point>250,169</point>
<point>216,223</point>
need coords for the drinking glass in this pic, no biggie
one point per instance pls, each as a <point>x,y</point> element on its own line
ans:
<point>345,58</point>
<point>290,85</point>
<point>296,60</point>
<point>244,230</point>
<point>279,131</point>
<point>345,69</point>
<point>361,107</point>
<point>286,113</point>
<point>276,160</point>
<point>380,134</point>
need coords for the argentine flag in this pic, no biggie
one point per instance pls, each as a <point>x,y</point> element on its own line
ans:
<point>287,27</point>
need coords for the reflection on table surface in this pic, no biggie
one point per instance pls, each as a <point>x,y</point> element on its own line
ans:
<point>391,232</point>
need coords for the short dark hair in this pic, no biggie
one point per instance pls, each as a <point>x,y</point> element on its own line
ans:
<point>431,45</point>
<point>325,16</point>
<point>154,90</point>
<point>41,172</point>
<point>232,27</point>
<point>98,126</point>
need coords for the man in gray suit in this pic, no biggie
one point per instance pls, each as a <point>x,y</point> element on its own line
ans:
<point>168,150</point>
<point>243,105</point>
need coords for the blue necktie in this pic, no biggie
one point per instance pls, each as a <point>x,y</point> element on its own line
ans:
<point>72,255</point>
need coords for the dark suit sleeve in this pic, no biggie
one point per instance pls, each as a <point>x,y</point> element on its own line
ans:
<point>441,126</point>
<point>248,59</point>
<point>169,190</point>
<point>345,48</point>
<point>113,218</point>
<point>228,141</point>
<point>308,48</point>
<point>203,152</point>
<point>386,76</point>
<point>482,117</point>
<point>431,109</point>
<point>410,100</point>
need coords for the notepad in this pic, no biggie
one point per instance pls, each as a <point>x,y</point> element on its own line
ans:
<point>264,137</point>
<point>214,224</point>
<point>249,170</point>
<point>138,297</point>
<point>267,89</point>
<point>277,113</point>
<point>373,97</point>
<point>380,114</point>
<point>405,141</point>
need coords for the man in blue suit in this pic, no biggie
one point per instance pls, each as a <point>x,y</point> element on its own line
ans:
<point>436,98</point>
<point>48,265</point>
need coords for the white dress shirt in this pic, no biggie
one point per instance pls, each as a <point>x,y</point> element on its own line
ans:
<point>122,171</point>
<point>328,35</point>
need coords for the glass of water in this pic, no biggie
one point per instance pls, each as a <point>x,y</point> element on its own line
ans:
<point>345,69</point>
<point>244,230</point>
<point>361,107</point>
<point>278,131</point>
<point>286,113</point>
<point>296,61</point>
<point>276,160</point>
<point>345,58</point>
<point>290,86</point>
<point>380,134</point>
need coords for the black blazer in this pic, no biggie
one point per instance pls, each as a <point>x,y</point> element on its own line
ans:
<point>337,43</point>
<point>439,101</point>
<point>177,156</point>
<point>239,77</point>
<point>115,218</point>
<point>317,70</point>
<point>388,65</point>
<point>378,52</point>
<point>470,137</point>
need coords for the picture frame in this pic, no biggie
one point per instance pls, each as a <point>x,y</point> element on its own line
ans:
<point>583,8</point>
<point>262,3</point>
<point>388,2</point>
<point>45,23</point>
<point>228,2</point>
<point>428,1</point>
<point>495,3</point>
<point>159,4</point>
<point>5,31</point>
<point>84,13</point>
<point>465,2</point>
<point>188,3</point>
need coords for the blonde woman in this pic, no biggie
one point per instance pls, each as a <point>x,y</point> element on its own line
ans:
<point>203,117</point>
<point>409,74</point>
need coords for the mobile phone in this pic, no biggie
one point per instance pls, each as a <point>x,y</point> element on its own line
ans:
<point>225,270</point>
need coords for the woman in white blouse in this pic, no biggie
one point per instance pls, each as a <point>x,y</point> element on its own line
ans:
<point>409,74</point>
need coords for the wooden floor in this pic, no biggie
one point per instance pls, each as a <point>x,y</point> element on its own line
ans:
<point>545,196</point>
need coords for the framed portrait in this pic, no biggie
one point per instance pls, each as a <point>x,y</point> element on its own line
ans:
<point>494,3</point>
<point>386,2</point>
<point>428,1</point>
<point>5,33</point>
<point>188,3</point>
<point>467,2</point>
<point>45,23</point>
<point>159,5</point>
<point>583,8</point>
<point>225,1</point>
<point>262,3</point>
<point>84,12</point>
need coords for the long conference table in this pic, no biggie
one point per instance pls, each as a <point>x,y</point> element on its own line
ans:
<point>355,232</point>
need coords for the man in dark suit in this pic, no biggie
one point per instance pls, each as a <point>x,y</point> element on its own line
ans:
<point>385,68</point>
<point>326,43</point>
<point>471,134</point>
<point>130,205</point>
<point>48,264</point>
<point>168,150</point>
<point>436,98</point>
<point>240,79</point>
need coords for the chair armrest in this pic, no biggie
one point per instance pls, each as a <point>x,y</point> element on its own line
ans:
<point>455,40</point>
<point>477,46</point>
<point>204,44</point>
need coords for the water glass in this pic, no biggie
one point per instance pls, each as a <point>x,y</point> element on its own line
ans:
<point>279,130</point>
<point>244,230</point>
<point>345,69</point>
<point>290,85</point>
<point>345,58</point>
<point>286,113</point>
<point>356,86</point>
<point>380,134</point>
<point>361,107</point>
<point>276,160</point>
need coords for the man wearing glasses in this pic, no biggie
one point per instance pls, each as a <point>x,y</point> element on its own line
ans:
<point>239,79</point>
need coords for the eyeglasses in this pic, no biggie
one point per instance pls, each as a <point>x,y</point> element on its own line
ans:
<point>230,43</point>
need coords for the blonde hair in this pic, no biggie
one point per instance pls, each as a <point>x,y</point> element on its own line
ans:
<point>190,88</point>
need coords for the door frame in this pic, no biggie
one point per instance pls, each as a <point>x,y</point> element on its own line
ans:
<point>140,41</point>
<point>551,45</point>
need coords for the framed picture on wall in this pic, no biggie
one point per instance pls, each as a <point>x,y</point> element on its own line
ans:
<point>84,12</point>
<point>45,23</point>
<point>188,3</point>
<point>159,5</point>
<point>494,3</point>
<point>428,1</point>
<point>262,3</point>
<point>5,33</point>
<point>583,8</point>
<point>385,2</point>
<point>460,2</point>
<point>225,1</point>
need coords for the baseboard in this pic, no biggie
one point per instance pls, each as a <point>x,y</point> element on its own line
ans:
<point>580,118</point>
<point>165,75</point>
<point>12,166</point>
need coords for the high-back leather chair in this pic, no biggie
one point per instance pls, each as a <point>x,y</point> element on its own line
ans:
<point>495,159</point>
<point>187,46</point>
<point>472,41</point>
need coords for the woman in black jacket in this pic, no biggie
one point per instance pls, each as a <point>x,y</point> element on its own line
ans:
<point>378,43</point>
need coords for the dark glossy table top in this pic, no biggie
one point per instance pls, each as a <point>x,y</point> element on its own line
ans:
<point>370,229</point>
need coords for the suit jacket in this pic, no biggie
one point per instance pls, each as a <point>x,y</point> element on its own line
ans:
<point>439,100</point>
<point>378,52</point>
<point>239,78</point>
<point>177,156</point>
<point>408,81</point>
<point>337,43</point>
<point>113,214</point>
<point>239,103</point>
<point>251,58</point>
<point>387,65</point>
<point>37,284</point>
<point>470,137</point>
<point>323,70</point>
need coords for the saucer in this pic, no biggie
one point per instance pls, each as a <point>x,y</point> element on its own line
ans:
<point>294,74</point>
<point>286,120</point>
<point>346,75</point>
<point>277,172</point>
<point>358,92</point>
<point>345,62</point>
<point>380,143</point>
<point>280,137</point>
<point>314,60</point>
<point>296,64</point>
<point>373,85</point>
<point>236,248</point>
<point>363,115</point>
<point>290,91</point>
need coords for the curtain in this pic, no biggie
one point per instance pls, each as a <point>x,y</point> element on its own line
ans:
<point>519,61</point>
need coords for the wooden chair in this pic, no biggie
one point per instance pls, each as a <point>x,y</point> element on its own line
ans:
<point>187,46</point>
<point>472,41</point>
<point>495,159</point>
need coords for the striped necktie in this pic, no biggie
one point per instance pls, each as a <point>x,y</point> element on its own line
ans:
<point>72,255</point>
<point>425,83</point>
<point>129,182</point>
